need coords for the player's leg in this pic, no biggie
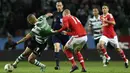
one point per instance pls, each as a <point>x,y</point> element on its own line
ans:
<point>122,54</point>
<point>56,43</point>
<point>30,47</point>
<point>99,51</point>
<point>102,42</point>
<point>26,52</point>
<point>37,52</point>
<point>32,59</point>
<point>56,54</point>
<point>69,54</point>
<point>115,43</point>
<point>81,60</point>
<point>101,55</point>
<point>70,57</point>
<point>78,45</point>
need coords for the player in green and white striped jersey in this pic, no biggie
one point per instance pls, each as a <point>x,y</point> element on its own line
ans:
<point>38,35</point>
<point>95,26</point>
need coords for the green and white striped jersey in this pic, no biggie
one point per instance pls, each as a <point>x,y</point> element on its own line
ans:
<point>41,30</point>
<point>96,25</point>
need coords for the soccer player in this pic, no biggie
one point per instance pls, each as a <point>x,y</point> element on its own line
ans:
<point>40,32</point>
<point>76,42</point>
<point>109,35</point>
<point>58,39</point>
<point>95,26</point>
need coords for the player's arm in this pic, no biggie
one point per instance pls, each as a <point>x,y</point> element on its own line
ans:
<point>104,25</point>
<point>65,25</point>
<point>43,17</point>
<point>111,20</point>
<point>67,33</point>
<point>24,38</point>
<point>48,15</point>
<point>89,26</point>
<point>70,33</point>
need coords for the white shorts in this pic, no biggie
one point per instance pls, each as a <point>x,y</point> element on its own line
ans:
<point>113,41</point>
<point>76,42</point>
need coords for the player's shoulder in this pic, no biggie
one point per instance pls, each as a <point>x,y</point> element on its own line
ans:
<point>110,15</point>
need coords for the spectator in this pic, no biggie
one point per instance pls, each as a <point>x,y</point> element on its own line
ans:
<point>9,43</point>
<point>81,14</point>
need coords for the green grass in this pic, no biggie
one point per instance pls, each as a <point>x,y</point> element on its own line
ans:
<point>92,67</point>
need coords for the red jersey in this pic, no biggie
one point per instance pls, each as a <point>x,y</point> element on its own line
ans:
<point>108,31</point>
<point>75,26</point>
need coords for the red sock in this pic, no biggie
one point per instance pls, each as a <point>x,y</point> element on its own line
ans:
<point>104,52</point>
<point>122,55</point>
<point>81,60</point>
<point>70,56</point>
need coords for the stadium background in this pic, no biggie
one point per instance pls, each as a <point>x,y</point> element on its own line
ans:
<point>13,22</point>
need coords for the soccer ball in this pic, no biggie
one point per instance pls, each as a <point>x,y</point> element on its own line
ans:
<point>8,68</point>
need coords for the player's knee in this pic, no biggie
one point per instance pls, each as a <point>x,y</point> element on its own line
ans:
<point>57,49</point>
<point>98,46</point>
<point>76,51</point>
<point>101,45</point>
<point>31,60</point>
<point>118,49</point>
<point>25,54</point>
<point>65,47</point>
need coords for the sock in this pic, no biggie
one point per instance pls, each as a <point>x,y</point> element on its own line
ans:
<point>21,57</point>
<point>57,58</point>
<point>121,52</point>
<point>37,63</point>
<point>81,60</point>
<point>70,56</point>
<point>104,52</point>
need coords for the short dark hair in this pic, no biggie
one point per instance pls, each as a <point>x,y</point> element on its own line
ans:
<point>59,1</point>
<point>95,8</point>
<point>105,5</point>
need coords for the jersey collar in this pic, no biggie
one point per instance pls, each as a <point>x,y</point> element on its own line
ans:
<point>97,18</point>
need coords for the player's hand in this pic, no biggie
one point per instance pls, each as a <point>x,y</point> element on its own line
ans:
<point>64,32</point>
<point>49,14</point>
<point>104,25</point>
<point>54,31</point>
<point>13,45</point>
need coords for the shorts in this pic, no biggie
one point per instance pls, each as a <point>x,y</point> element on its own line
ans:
<point>76,43</point>
<point>96,41</point>
<point>36,47</point>
<point>109,46</point>
<point>59,38</point>
<point>113,41</point>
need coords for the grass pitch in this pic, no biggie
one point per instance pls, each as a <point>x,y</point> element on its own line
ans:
<point>92,67</point>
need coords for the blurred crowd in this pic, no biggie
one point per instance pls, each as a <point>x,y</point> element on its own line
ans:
<point>14,12</point>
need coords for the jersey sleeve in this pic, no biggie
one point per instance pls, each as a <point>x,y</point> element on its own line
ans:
<point>31,33</point>
<point>70,33</point>
<point>41,18</point>
<point>65,24</point>
<point>34,31</point>
<point>90,22</point>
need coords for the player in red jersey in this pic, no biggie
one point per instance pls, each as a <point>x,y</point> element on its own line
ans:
<point>109,35</point>
<point>76,42</point>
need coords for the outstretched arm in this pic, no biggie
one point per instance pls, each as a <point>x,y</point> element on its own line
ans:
<point>24,38</point>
